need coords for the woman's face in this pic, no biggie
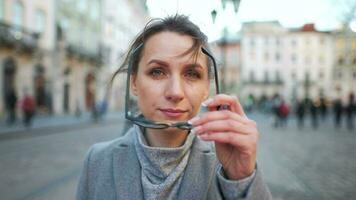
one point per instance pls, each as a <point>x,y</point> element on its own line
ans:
<point>169,84</point>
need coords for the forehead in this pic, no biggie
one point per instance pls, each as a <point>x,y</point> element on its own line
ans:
<point>170,45</point>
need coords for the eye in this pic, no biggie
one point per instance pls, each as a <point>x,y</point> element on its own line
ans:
<point>156,72</point>
<point>192,74</point>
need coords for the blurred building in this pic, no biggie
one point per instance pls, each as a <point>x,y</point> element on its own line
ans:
<point>344,66</point>
<point>122,21</point>
<point>309,58</point>
<point>262,58</point>
<point>64,52</point>
<point>294,63</point>
<point>79,54</point>
<point>228,57</point>
<point>26,44</point>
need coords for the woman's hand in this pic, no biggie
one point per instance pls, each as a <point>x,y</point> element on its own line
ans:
<point>235,135</point>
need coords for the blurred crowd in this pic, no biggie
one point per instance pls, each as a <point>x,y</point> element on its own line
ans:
<point>314,111</point>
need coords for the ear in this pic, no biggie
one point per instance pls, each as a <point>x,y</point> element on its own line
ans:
<point>133,84</point>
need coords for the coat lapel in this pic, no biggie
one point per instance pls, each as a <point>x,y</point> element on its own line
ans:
<point>200,171</point>
<point>127,170</point>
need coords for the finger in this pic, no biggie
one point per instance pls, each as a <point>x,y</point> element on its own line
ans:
<point>229,138</point>
<point>224,126</point>
<point>223,99</point>
<point>218,115</point>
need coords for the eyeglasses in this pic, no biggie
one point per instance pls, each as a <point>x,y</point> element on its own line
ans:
<point>143,122</point>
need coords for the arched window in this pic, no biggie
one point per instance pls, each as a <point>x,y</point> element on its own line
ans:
<point>40,21</point>
<point>18,13</point>
<point>2,9</point>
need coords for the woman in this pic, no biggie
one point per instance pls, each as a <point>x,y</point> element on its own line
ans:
<point>170,78</point>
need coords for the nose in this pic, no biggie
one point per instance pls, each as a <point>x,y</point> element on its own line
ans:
<point>174,90</point>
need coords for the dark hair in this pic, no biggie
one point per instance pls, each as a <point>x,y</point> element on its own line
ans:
<point>178,24</point>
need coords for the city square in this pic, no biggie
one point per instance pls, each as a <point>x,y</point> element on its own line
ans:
<point>45,163</point>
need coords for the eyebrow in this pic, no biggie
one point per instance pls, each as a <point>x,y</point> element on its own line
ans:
<point>161,62</point>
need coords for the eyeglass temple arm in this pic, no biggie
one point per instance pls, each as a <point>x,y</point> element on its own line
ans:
<point>216,77</point>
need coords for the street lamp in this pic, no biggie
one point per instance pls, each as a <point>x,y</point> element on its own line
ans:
<point>223,40</point>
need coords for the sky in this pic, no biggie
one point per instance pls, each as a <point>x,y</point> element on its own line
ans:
<point>290,13</point>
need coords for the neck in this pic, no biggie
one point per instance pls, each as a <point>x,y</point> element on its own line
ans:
<point>171,137</point>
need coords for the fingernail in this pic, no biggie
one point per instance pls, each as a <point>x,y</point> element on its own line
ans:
<point>193,120</point>
<point>196,130</point>
<point>207,102</point>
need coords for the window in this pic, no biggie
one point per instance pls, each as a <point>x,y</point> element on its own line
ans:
<point>266,77</point>
<point>307,41</point>
<point>40,21</point>
<point>278,57</point>
<point>278,42</point>
<point>252,55</point>
<point>321,74</point>
<point>294,42</point>
<point>354,75</point>
<point>339,75</point>
<point>340,60</point>
<point>278,76</point>
<point>266,56</point>
<point>321,59</point>
<point>293,75</point>
<point>294,58</point>
<point>18,14</point>
<point>2,9</point>
<point>82,6</point>
<point>307,60</point>
<point>252,76</point>
<point>252,42</point>
<point>94,10</point>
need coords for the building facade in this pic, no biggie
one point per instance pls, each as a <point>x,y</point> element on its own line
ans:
<point>122,21</point>
<point>293,63</point>
<point>227,52</point>
<point>344,65</point>
<point>64,52</point>
<point>262,59</point>
<point>26,41</point>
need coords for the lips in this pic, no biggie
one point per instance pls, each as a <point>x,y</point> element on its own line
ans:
<point>173,113</point>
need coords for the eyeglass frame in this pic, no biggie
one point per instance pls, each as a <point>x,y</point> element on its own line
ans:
<point>141,121</point>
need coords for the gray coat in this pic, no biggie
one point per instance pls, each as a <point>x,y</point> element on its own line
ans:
<point>112,171</point>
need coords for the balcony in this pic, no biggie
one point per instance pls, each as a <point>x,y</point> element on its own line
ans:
<point>79,52</point>
<point>17,37</point>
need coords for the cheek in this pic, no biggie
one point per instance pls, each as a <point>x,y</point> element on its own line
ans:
<point>198,94</point>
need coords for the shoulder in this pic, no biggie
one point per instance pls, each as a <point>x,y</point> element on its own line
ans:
<point>99,152</point>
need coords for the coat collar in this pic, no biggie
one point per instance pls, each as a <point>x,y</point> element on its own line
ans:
<point>127,169</point>
<point>197,177</point>
<point>199,172</point>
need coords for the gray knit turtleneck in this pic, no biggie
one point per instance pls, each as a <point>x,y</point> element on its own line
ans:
<point>162,168</point>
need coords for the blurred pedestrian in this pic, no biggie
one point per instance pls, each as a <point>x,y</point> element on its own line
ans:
<point>283,113</point>
<point>314,107</point>
<point>10,105</point>
<point>350,109</point>
<point>28,108</point>
<point>323,108</point>
<point>276,101</point>
<point>300,111</point>
<point>94,111</point>
<point>160,157</point>
<point>337,107</point>
<point>102,109</point>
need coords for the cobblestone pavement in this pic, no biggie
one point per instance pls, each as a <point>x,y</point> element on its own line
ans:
<point>42,166</point>
<point>296,164</point>
<point>302,164</point>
